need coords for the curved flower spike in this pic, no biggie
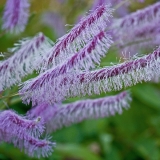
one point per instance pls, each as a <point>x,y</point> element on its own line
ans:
<point>16,15</point>
<point>84,59</point>
<point>12,123</point>
<point>106,79</point>
<point>139,18</point>
<point>145,26</point>
<point>64,115</point>
<point>24,134</point>
<point>35,147</point>
<point>78,36</point>
<point>25,59</point>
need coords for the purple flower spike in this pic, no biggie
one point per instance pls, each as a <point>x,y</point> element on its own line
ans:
<point>25,59</point>
<point>10,122</point>
<point>84,59</point>
<point>106,79</point>
<point>16,15</point>
<point>144,23</point>
<point>35,147</point>
<point>139,18</point>
<point>24,134</point>
<point>123,10</point>
<point>64,115</point>
<point>78,36</point>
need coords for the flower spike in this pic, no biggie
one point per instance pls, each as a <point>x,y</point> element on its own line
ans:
<point>64,115</point>
<point>78,36</point>
<point>20,126</point>
<point>35,147</point>
<point>84,59</point>
<point>24,134</point>
<point>16,15</point>
<point>25,59</point>
<point>144,23</point>
<point>102,80</point>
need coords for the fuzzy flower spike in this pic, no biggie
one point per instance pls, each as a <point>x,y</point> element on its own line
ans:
<point>24,134</point>
<point>10,122</point>
<point>78,36</point>
<point>145,26</point>
<point>58,116</point>
<point>25,59</point>
<point>84,59</point>
<point>106,79</point>
<point>16,15</point>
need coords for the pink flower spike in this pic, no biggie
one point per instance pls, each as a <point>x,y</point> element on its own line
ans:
<point>106,79</point>
<point>25,59</point>
<point>64,115</point>
<point>16,125</point>
<point>78,36</point>
<point>16,15</point>
<point>144,23</point>
<point>35,147</point>
<point>32,146</point>
<point>139,18</point>
<point>84,59</point>
<point>24,134</point>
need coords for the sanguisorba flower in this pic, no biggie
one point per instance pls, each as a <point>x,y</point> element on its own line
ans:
<point>56,116</point>
<point>26,56</point>
<point>78,36</point>
<point>144,23</point>
<point>11,122</point>
<point>24,134</point>
<point>16,15</point>
<point>84,59</point>
<point>106,79</point>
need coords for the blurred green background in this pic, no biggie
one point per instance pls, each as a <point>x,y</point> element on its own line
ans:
<point>134,135</point>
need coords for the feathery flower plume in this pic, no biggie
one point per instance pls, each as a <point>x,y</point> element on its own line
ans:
<point>144,37</point>
<point>35,147</point>
<point>16,15</point>
<point>64,115</point>
<point>10,122</point>
<point>32,146</point>
<point>106,79</point>
<point>24,134</point>
<point>84,59</point>
<point>139,18</point>
<point>139,21</point>
<point>78,36</point>
<point>25,59</point>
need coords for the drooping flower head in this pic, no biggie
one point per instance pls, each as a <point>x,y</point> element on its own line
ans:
<point>60,115</point>
<point>24,134</point>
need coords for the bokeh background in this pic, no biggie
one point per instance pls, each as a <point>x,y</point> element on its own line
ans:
<point>134,135</point>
